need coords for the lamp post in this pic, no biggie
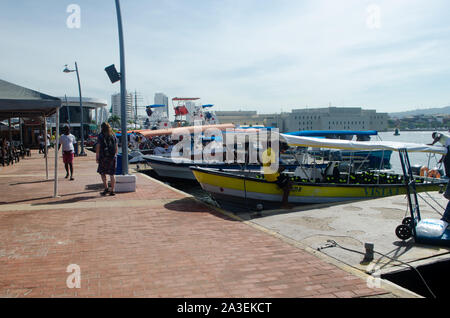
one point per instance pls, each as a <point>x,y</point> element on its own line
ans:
<point>123,92</point>
<point>67,70</point>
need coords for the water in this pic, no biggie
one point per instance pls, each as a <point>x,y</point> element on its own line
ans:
<point>416,158</point>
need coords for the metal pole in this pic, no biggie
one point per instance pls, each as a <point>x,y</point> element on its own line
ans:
<point>10,132</point>
<point>21,133</point>
<point>55,189</point>
<point>123,92</point>
<point>135,109</point>
<point>82,153</point>
<point>46,148</point>
<point>68,110</point>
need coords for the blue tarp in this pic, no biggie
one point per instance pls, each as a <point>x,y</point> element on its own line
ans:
<point>156,106</point>
<point>120,134</point>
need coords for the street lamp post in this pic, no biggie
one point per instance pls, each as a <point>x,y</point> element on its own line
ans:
<point>67,70</point>
<point>123,92</point>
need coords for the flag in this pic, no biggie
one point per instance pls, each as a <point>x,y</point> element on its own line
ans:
<point>181,110</point>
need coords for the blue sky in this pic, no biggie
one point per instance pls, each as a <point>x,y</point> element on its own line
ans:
<point>250,55</point>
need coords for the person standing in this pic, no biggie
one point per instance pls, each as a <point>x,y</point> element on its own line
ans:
<point>272,172</point>
<point>445,141</point>
<point>41,142</point>
<point>106,155</point>
<point>67,140</point>
<point>48,144</point>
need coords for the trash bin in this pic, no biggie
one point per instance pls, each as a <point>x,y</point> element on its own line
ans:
<point>119,164</point>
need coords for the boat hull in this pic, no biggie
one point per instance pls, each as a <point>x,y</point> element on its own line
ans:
<point>227,186</point>
<point>179,168</point>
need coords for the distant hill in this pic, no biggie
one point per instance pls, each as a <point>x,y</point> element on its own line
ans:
<point>428,111</point>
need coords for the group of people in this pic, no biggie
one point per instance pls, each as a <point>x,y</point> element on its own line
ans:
<point>106,155</point>
<point>6,152</point>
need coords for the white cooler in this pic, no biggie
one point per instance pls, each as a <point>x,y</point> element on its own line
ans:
<point>125,183</point>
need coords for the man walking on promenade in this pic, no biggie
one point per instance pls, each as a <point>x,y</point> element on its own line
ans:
<point>67,140</point>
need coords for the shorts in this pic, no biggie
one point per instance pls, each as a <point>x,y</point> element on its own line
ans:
<point>67,156</point>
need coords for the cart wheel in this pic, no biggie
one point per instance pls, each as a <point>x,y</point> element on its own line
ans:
<point>403,232</point>
<point>408,221</point>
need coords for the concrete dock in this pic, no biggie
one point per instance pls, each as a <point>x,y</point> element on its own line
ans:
<point>160,242</point>
<point>352,225</point>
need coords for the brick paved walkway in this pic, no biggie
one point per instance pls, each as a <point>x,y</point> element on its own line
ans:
<point>155,242</point>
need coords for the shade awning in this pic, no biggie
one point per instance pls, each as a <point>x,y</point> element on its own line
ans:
<point>361,145</point>
<point>18,101</point>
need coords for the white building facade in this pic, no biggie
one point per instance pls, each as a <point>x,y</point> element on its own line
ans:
<point>162,99</point>
<point>335,118</point>
<point>115,105</point>
<point>330,118</point>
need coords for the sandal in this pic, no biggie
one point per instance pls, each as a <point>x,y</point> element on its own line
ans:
<point>112,193</point>
<point>104,192</point>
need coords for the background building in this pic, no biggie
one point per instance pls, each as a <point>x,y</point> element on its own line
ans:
<point>70,114</point>
<point>242,118</point>
<point>161,99</point>
<point>336,118</point>
<point>330,118</point>
<point>115,105</point>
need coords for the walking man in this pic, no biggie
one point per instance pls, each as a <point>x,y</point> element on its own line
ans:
<point>67,140</point>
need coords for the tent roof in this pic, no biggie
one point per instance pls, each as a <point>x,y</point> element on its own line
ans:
<point>18,101</point>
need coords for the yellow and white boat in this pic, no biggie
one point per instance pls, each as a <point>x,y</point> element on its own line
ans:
<point>251,189</point>
<point>225,186</point>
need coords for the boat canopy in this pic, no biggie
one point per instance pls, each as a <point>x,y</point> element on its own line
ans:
<point>327,133</point>
<point>156,106</point>
<point>179,130</point>
<point>185,98</point>
<point>300,141</point>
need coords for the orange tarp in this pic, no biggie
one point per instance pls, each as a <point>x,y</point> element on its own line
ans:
<point>160,132</point>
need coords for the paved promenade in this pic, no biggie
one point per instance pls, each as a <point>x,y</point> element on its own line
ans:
<point>156,242</point>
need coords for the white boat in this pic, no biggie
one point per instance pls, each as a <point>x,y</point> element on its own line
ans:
<point>179,167</point>
<point>188,112</point>
<point>157,117</point>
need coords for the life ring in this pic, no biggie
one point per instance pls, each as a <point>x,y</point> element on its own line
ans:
<point>424,171</point>
<point>434,174</point>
